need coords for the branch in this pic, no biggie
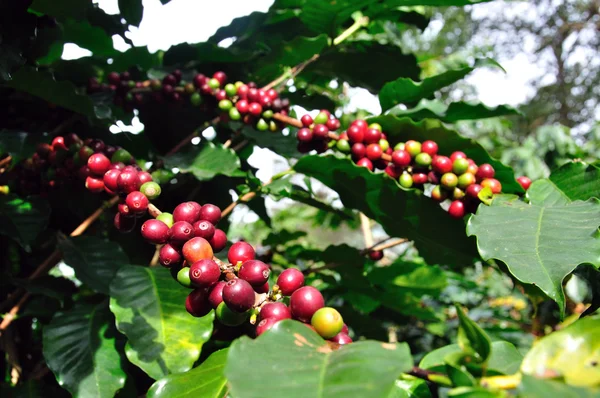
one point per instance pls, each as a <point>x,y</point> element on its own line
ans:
<point>365,225</point>
<point>193,135</point>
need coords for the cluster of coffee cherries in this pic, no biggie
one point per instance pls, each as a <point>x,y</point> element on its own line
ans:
<point>234,101</point>
<point>412,163</point>
<point>316,134</point>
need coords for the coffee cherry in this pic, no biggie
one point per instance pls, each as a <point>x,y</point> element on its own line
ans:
<point>137,202</point>
<point>327,322</point>
<point>197,249</point>
<point>473,191</point>
<point>204,229</point>
<point>438,194</point>
<point>376,255</point>
<point>359,151</point>
<point>374,152</point>
<point>166,218</point>
<point>460,166</point>
<point>187,211</point>
<point>393,171</point>
<point>210,213</point>
<point>94,184</point>
<point>121,155</point>
<point>493,184</point>
<point>333,124</point>
<point>218,241</point>
<point>412,147</point>
<point>525,182</point>
<point>472,167</point>
<point>254,272</point>
<point>240,252</point>
<point>429,147</point>
<point>485,171</point>
<point>423,159</point>
<point>458,193</point>
<point>183,277</point>
<point>181,232</point>
<point>220,76</point>
<point>305,302</point>
<point>150,189</point>
<point>341,338</point>
<point>265,325</point>
<point>322,118</point>
<point>84,153</point>
<point>110,179</point>
<point>144,177</point>
<point>406,180</point>
<point>58,143</point>
<point>264,288</point>
<point>155,231</point>
<point>290,280</point>
<point>124,210</point>
<point>195,99</point>
<point>304,135</point>
<point>457,155</point>
<point>456,209</point>
<point>361,124</point>
<point>441,164</point>
<point>128,181</point>
<point>384,144</point>
<point>364,162</point>
<point>355,134</point>
<point>401,158</point>
<point>306,120</point>
<point>372,136</point>
<point>123,224</point>
<point>238,295</point>
<point>466,179</point>
<point>169,256</point>
<point>98,164</point>
<point>197,304</point>
<point>277,310</point>
<point>228,317</point>
<point>205,273</point>
<point>215,296</point>
<point>255,108</point>
<point>320,131</point>
<point>343,146</point>
<point>242,106</point>
<point>449,181</point>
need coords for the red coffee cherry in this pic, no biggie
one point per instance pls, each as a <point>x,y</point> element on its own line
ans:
<point>169,256</point>
<point>210,213</point>
<point>205,273</point>
<point>290,280</point>
<point>197,303</point>
<point>456,209</point>
<point>187,211</point>
<point>240,252</point>
<point>181,232</point>
<point>155,231</point>
<point>525,182</point>
<point>137,202</point>
<point>305,302</point>
<point>215,296</point>
<point>204,229</point>
<point>254,272</point>
<point>238,295</point>
<point>98,164</point>
<point>218,241</point>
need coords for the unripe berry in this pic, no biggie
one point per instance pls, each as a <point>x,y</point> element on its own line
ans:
<point>238,295</point>
<point>254,272</point>
<point>438,194</point>
<point>121,155</point>
<point>449,180</point>
<point>197,304</point>
<point>205,273</point>
<point>150,189</point>
<point>401,158</point>
<point>240,252</point>
<point>197,249</point>
<point>98,164</point>
<point>456,209</point>
<point>321,118</point>
<point>155,231</point>
<point>466,179</point>
<point>289,281</point>
<point>327,322</point>
<point>412,147</point>
<point>343,146</point>
<point>406,180</point>
<point>458,193</point>
<point>169,256</point>
<point>228,317</point>
<point>137,202</point>
<point>305,302</point>
<point>460,166</point>
<point>218,241</point>
<point>384,144</point>
<point>525,182</point>
<point>423,159</point>
<point>183,277</point>
<point>166,218</point>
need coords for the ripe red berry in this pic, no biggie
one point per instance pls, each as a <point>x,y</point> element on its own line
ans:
<point>441,164</point>
<point>110,179</point>
<point>355,134</point>
<point>493,184</point>
<point>215,296</point>
<point>376,255</point>
<point>364,162</point>
<point>372,136</point>
<point>401,158</point>
<point>123,224</point>
<point>210,213</point>
<point>58,143</point>
<point>473,190</point>
<point>113,78</point>
<point>457,155</point>
<point>456,209</point>
<point>393,171</point>
<point>238,295</point>
<point>264,288</point>
<point>181,232</point>
<point>306,120</point>
<point>254,272</point>
<point>419,178</point>
<point>305,302</point>
<point>197,249</point>
<point>218,241</point>
<point>359,151</point>
<point>320,131</point>
<point>137,202</point>
<point>429,147</point>
<point>525,182</point>
<point>98,164</point>
<point>290,280</point>
<point>333,124</point>
<point>485,171</point>
<point>124,210</point>
<point>169,256</point>
<point>255,108</point>
<point>187,211</point>
<point>220,76</point>
<point>240,252</point>
<point>197,303</point>
<point>205,273</point>
<point>128,181</point>
<point>361,124</point>
<point>155,231</point>
<point>304,135</point>
<point>265,325</point>
<point>277,310</point>
<point>144,177</point>
<point>242,106</point>
<point>341,338</point>
<point>374,152</point>
<point>204,229</point>
<point>94,184</point>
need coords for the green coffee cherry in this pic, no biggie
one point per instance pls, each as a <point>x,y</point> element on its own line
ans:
<point>121,155</point>
<point>449,181</point>
<point>384,144</point>
<point>225,105</point>
<point>423,159</point>
<point>327,322</point>
<point>183,277</point>
<point>267,114</point>
<point>230,318</point>
<point>189,88</point>
<point>261,125</point>
<point>196,99</point>
<point>375,126</point>
<point>150,189</point>
<point>321,118</point>
<point>230,90</point>
<point>343,146</point>
<point>234,114</point>
<point>460,166</point>
<point>406,180</point>
<point>399,146</point>
<point>214,83</point>
<point>167,218</point>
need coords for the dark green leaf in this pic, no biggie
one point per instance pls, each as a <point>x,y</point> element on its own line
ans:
<point>415,388</point>
<point>207,380</point>
<point>539,253</point>
<point>403,213</point>
<point>207,162</point>
<point>88,257</point>
<point>408,91</point>
<point>75,9</point>
<point>18,144</point>
<point>475,392</point>
<point>417,278</point>
<point>150,310</point>
<point>577,180</point>
<point>80,348</point>
<point>532,387</point>
<point>403,129</point>
<point>258,206</point>
<point>204,53</point>
<point>87,36</point>
<point>132,11</point>
<point>23,219</point>
<point>309,367</point>
<point>284,145</point>
<point>454,112</point>
<point>135,56</point>
<point>50,286</point>
<point>471,338</point>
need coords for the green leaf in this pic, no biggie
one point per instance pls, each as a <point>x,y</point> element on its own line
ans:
<point>135,56</point>
<point>417,278</point>
<point>403,129</point>
<point>572,353</point>
<point>471,338</point>
<point>403,213</point>
<point>61,93</point>
<point>75,9</point>
<point>532,387</point>
<point>150,310</point>
<point>87,36</point>
<point>407,91</point>
<point>454,112</point>
<point>284,145</point>
<point>132,11</point>
<point>88,257</point>
<point>577,180</point>
<point>207,380</point>
<point>18,144</point>
<point>206,163</point>
<point>475,392</point>
<point>80,348</point>
<point>306,366</point>
<point>542,242</point>
<point>415,388</point>
<point>23,219</point>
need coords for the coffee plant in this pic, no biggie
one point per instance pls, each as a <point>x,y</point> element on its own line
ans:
<point>124,274</point>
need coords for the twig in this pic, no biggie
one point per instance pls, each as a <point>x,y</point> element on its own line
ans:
<point>155,257</point>
<point>365,225</point>
<point>10,316</point>
<point>434,377</point>
<point>5,161</point>
<point>193,135</point>
<point>385,245</point>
